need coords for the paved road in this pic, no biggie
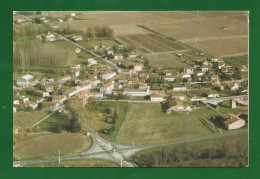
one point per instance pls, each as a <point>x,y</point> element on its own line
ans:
<point>79,46</point>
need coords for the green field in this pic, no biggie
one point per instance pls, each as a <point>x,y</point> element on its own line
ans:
<point>237,61</point>
<point>145,123</point>
<point>165,60</point>
<point>95,114</point>
<point>76,163</point>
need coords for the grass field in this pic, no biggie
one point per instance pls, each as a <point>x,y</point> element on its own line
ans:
<point>165,60</point>
<point>27,119</point>
<point>48,145</point>
<point>239,60</point>
<point>145,123</point>
<point>76,163</point>
<point>95,114</point>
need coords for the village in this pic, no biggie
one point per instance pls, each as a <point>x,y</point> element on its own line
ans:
<point>119,73</point>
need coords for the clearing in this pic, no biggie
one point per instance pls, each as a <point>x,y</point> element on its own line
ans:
<point>145,123</point>
<point>164,60</point>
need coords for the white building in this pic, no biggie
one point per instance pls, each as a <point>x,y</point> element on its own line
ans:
<point>108,75</point>
<point>184,88</point>
<point>184,75</point>
<point>77,38</point>
<point>75,66</point>
<point>110,52</point>
<point>118,57</point>
<point>96,95</point>
<point>63,79</point>
<point>77,50</point>
<point>234,122</point>
<point>136,92</point>
<point>91,61</point>
<point>24,80</point>
<point>107,88</point>
<point>138,66</point>
<point>70,92</point>
<point>75,73</point>
<point>156,97</point>
<point>58,99</point>
<point>213,95</point>
<point>188,70</point>
<point>178,96</point>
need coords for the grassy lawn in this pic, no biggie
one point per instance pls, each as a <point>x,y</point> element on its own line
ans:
<point>27,119</point>
<point>145,123</point>
<point>237,61</point>
<point>165,60</point>
<point>225,107</point>
<point>76,163</point>
<point>48,145</point>
<point>95,114</point>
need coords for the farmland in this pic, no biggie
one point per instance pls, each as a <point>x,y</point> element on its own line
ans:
<point>48,146</point>
<point>145,123</point>
<point>164,60</point>
<point>151,43</point>
<point>216,33</point>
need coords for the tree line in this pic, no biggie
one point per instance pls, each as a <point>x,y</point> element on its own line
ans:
<point>230,152</point>
<point>99,31</point>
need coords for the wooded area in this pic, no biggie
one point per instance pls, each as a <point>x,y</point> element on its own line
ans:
<point>226,152</point>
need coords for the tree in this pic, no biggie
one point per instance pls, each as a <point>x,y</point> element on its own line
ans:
<point>115,115</point>
<point>90,32</point>
<point>57,128</point>
<point>204,78</point>
<point>75,125</point>
<point>115,48</point>
<point>112,129</point>
<point>132,47</point>
<point>108,111</point>
<point>194,77</point>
